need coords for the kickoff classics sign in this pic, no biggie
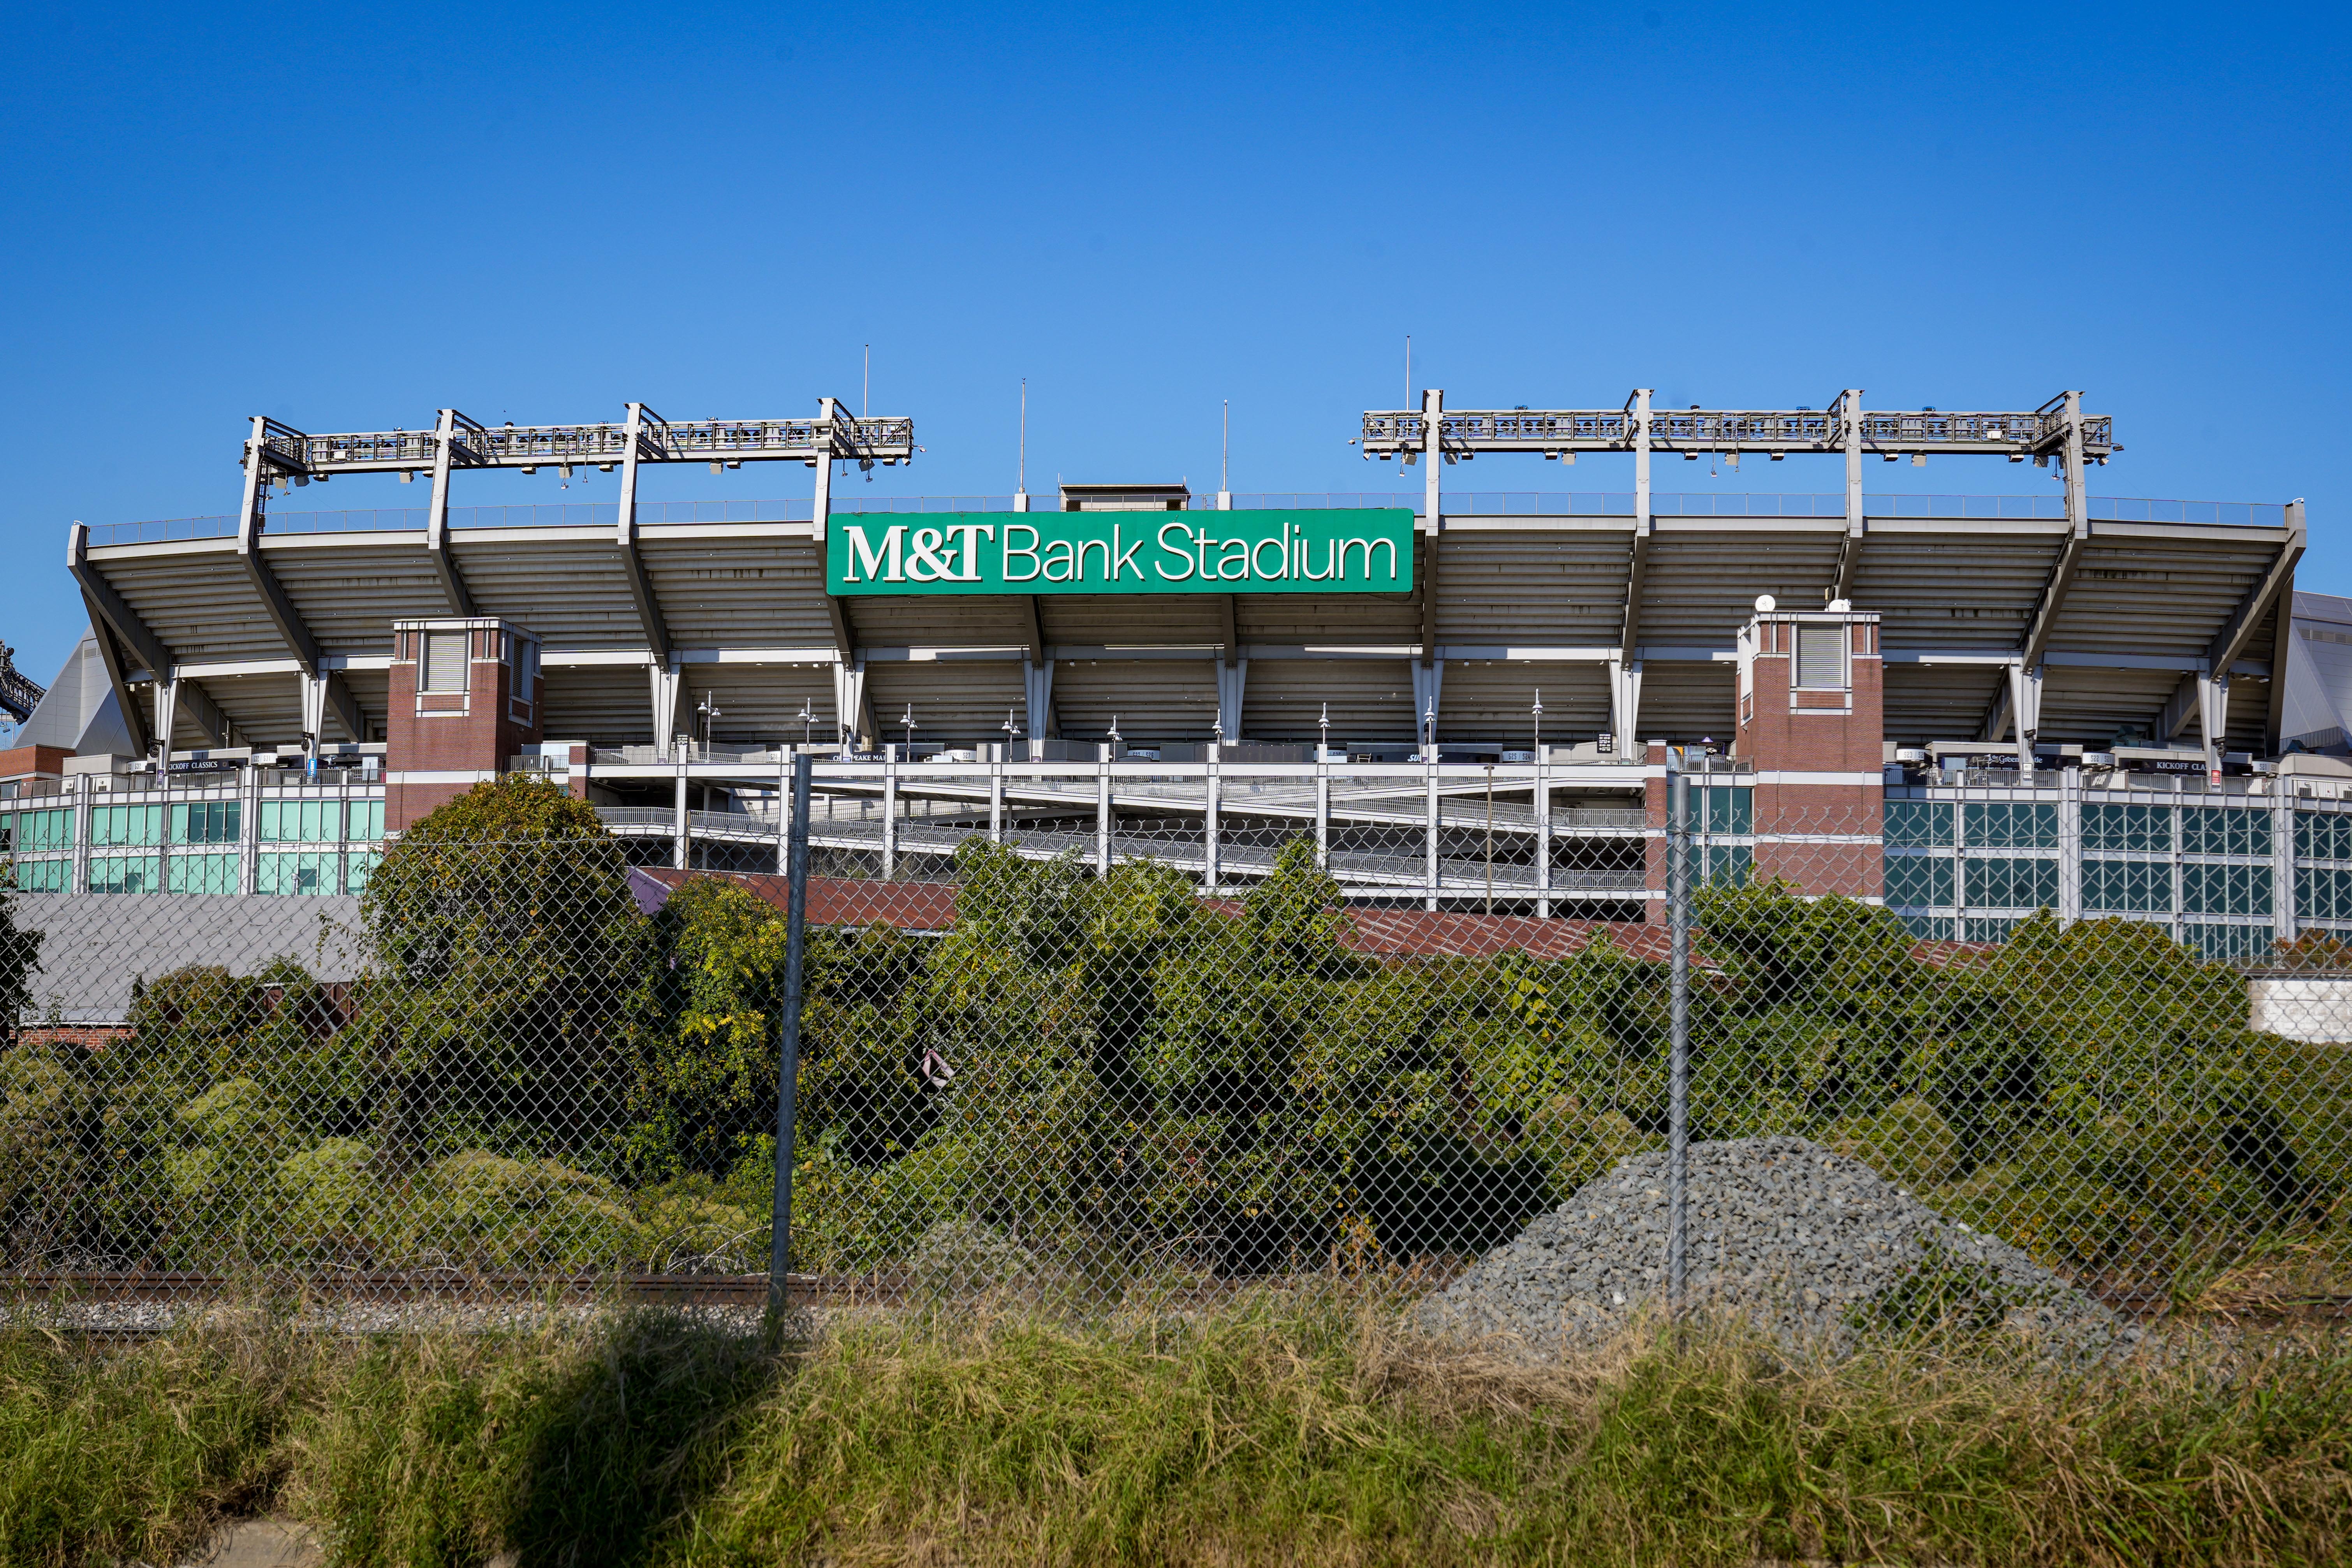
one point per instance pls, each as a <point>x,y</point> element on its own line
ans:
<point>1367,551</point>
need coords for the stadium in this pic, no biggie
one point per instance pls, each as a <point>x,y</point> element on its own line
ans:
<point>1984,704</point>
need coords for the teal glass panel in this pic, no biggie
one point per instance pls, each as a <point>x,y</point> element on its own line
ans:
<point>1981,930</point>
<point>1725,864</point>
<point>38,831</point>
<point>1918,824</point>
<point>1930,928</point>
<point>122,873</point>
<point>2000,882</point>
<point>1914,881</point>
<point>2127,887</point>
<point>298,872</point>
<point>1724,809</point>
<point>207,821</point>
<point>366,820</point>
<point>209,873</point>
<point>2141,827</point>
<point>126,825</point>
<point>2220,830</point>
<point>2011,825</point>
<point>300,821</point>
<point>2226,889</point>
<point>360,863</point>
<point>2323,834</point>
<point>43,876</point>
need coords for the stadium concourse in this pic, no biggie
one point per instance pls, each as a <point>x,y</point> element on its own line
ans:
<point>1967,706</point>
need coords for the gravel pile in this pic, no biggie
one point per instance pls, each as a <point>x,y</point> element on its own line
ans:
<point>1812,1246</point>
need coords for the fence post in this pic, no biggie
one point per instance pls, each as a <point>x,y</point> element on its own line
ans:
<point>1678,900</point>
<point>788,1037</point>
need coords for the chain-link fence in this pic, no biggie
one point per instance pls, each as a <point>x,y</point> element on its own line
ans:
<point>1094,1057</point>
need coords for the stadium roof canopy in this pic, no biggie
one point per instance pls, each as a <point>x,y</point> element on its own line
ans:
<point>2121,606</point>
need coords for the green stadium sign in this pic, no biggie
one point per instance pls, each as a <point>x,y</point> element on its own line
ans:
<point>1359,551</point>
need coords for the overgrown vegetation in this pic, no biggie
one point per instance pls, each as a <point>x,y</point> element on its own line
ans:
<point>1092,1080</point>
<point>1255,1433</point>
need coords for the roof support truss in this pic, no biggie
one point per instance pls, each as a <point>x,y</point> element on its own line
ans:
<point>335,694</point>
<point>119,628</point>
<point>2276,589</point>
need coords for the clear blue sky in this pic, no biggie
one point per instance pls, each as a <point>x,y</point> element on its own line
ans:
<point>349,219</point>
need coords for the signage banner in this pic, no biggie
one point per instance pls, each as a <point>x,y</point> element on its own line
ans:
<point>1357,551</point>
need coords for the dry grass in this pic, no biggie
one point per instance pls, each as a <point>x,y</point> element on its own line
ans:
<point>1257,1433</point>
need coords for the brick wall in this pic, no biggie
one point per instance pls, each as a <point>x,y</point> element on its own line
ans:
<point>1817,751</point>
<point>439,744</point>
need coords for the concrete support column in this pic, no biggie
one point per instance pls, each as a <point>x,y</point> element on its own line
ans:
<point>2286,923</point>
<point>2213,716</point>
<point>889,810</point>
<point>249,829</point>
<point>679,855</point>
<point>1232,682</point>
<point>1322,811</point>
<point>2025,708</point>
<point>996,795</point>
<point>665,680</point>
<point>81,829</point>
<point>2070,845</point>
<point>1625,706</point>
<point>1102,810</point>
<point>1429,835</point>
<point>1543,835</point>
<point>1213,868</point>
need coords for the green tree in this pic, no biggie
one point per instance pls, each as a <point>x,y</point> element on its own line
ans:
<point>512,960</point>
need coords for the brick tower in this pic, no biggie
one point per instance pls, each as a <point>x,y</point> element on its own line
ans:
<point>1813,725</point>
<point>464,699</point>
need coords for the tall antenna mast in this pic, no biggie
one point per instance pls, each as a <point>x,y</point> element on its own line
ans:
<point>1225,450</point>
<point>1021,483</point>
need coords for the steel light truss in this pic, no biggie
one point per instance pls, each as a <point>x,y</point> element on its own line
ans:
<point>286,451</point>
<point>2029,433</point>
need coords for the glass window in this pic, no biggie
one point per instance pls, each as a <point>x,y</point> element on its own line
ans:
<point>126,825</point>
<point>2219,830</point>
<point>2127,887</point>
<point>1918,824</point>
<point>1914,881</point>
<point>1724,809</point>
<point>2012,825</point>
<point>2004,883</point>
<point>207,822</point>
<point>300,821</point>
<point>2323,834</point>
<point>1820,657</point>
<point>1981,930</point>
<point>1725,864</point>
<point>2141,828</point>
<point>2228,943</point>
<point>359,863</point>
<point>2226,889</point>
<point>444,665</point>
<point>202,874</point>
<point>43,876</point>
<point>2324,893</point>
<point>122,873</point>
<point>304,872</point>
<point>366,820</point>
<point>1930,928</point>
